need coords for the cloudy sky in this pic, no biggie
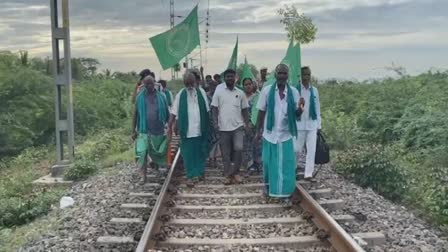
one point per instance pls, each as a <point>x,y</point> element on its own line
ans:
<point>356,38</point>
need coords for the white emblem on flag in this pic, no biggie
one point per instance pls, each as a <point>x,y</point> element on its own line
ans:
<point>178,41</point>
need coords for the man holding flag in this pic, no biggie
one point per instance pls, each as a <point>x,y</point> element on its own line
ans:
<point>278,111</point>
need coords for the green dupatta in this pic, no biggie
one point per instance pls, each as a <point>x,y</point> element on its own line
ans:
<point>169,97</point>
<point>313,112</point>
<point>142,126</point>
<point>182,117</point>
<point>291,113</point>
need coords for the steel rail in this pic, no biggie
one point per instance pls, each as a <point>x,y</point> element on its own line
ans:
<point>153,224</point>
<point>339,239</point>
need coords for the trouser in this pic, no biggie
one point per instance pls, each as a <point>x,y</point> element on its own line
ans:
<point>308,138</point>
<point>232,149</point>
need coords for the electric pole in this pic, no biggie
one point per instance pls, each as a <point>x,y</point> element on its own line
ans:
<point>171,26</point>
<point>62,74</point>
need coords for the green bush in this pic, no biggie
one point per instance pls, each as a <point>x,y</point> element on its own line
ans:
<point>372,166</point>
<point>81,169</point>
<point>19,210</point>
<point>408,115</point>
<point>98,145</point>
<point>101,104</point>
<point>26,109</point>
<point>27,106</point>
<point>340,131</point>
<point>435,193</point>
<point>20,203</point>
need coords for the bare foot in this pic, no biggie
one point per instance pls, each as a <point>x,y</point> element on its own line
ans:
<point>238,179</point>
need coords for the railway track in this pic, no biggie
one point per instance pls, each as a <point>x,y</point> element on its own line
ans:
<point>213,217</point>
<point>123,231</point>
<point>166,215</point>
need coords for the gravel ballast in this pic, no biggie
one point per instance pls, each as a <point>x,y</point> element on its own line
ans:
<point>97,200</point>
<point>404,231</point>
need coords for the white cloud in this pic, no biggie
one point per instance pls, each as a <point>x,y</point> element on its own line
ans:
<point>366,34</point>
<point>361,41</point>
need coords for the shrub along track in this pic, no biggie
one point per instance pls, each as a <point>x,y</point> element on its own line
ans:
<point>214,217</point>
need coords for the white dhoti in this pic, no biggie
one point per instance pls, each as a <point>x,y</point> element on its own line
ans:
<point>308,138</point>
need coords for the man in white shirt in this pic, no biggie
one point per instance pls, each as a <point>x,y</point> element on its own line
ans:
<point>190,108</point>
<point>231,117</point>
<point>278,111</point>
<point>309,122</point>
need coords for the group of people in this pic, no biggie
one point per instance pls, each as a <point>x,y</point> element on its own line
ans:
<point>255,126</point>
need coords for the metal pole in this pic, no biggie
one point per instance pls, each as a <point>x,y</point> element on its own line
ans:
<point>200,55</point>
<point>62,75</point>
<point>207,26</point>
<point>171,26</point>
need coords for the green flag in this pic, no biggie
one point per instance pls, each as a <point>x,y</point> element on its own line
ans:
<point>247,73</point>
<point>292,60</point>
<point>171,46</point>
<point>233,59</point>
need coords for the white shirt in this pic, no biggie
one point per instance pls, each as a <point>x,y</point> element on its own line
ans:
<point>221,86</point>
<point>280,131</point>
<point>306,123</point>
<point>230,104</point>
<point>194,115</point>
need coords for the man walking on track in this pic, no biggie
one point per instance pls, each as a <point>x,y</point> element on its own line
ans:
<point>191,110</point>
<point>309,122</point>
<point>148,124</point>
<point>231,118</point>
<point>278,111</point>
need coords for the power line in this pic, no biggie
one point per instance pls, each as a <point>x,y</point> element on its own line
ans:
<point>207,29</point>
